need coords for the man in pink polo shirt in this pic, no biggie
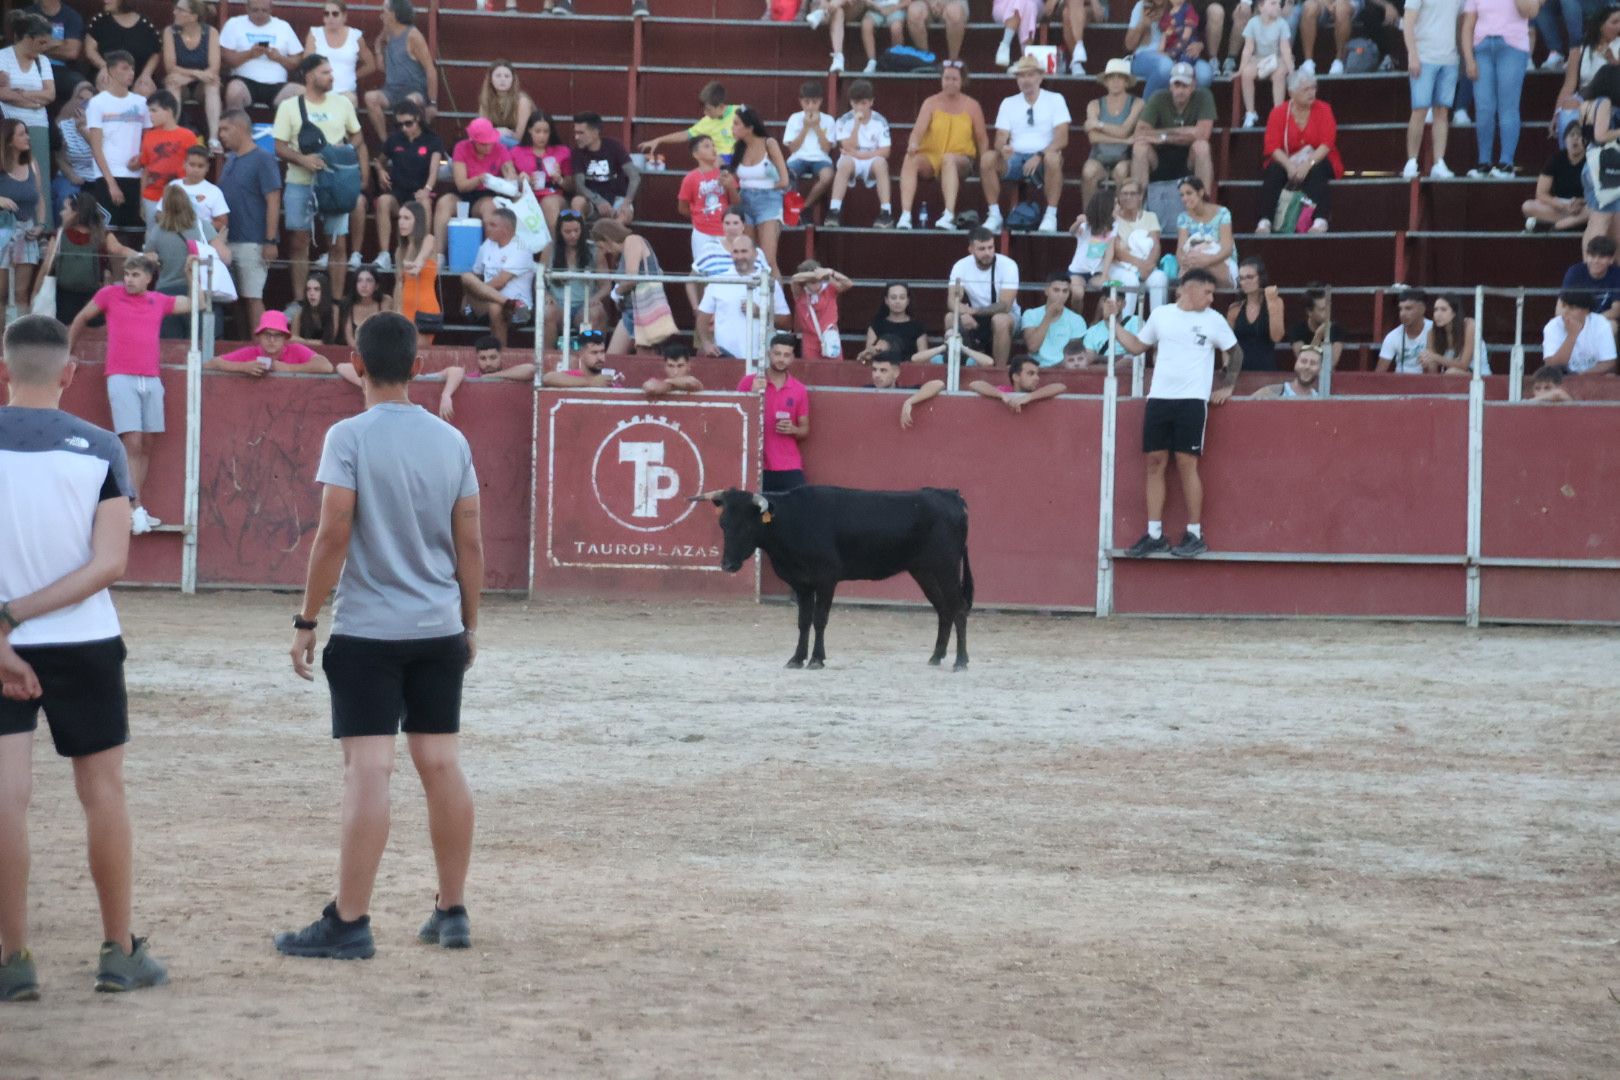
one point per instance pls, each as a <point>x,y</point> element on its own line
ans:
<point>134,313</point>
<point>272,350</point>
<point>787,416</point>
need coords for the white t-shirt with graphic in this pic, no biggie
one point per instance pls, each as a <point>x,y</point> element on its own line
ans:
<point>1184,366</point>
<point>1405,350</point>
<point>872,135</point>
<point>121,120</point>
<point>1593,346</point>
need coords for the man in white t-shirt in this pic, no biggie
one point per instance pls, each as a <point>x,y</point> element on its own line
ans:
<point>1577,338</point>
<point>502,278</point>
<point>1404,346</point>
<point>1187,334</point>
<point>114,121</point>
<point>1430,27</point>
<point>1032,129</point>
<point>728,311</point>
<point>808,140</point>
<point>863,142</point>
<point>260,50</point>
<point>987,284</point>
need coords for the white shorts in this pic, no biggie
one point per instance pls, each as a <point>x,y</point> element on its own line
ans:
<point>137,403</point>
<point>863,171</point>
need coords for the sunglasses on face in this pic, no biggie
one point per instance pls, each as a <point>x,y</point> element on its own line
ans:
<point>570,215</point>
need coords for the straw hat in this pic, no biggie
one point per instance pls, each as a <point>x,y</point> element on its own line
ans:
<point>1122,68</point>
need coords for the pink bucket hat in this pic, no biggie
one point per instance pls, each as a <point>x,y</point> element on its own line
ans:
<point>482,131</point>
<point>275,321</point>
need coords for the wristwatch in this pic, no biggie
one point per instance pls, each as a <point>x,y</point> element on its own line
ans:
<point>301,623</point>
<point>11,621</point>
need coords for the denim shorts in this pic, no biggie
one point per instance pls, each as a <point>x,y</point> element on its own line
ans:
<point>1590,193</point>
<point>1326,18</point>
<point>1435,87</point>
<point>1015,169</point>
<point>299,199</point>
<point>760,205</point>
<point>804,169</point>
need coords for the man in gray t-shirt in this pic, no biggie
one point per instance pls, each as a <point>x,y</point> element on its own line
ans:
<point>399,537</point>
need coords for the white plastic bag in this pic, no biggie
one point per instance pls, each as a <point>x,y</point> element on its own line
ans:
<point>532,232</point>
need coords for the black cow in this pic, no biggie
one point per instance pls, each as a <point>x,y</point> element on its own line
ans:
<point>816,537</point>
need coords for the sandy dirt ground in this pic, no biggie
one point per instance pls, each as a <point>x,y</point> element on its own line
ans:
<point>1126,849</point>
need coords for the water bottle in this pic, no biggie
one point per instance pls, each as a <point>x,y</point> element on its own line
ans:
<point>922,216</point>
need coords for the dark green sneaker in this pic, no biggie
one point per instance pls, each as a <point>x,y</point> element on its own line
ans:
<point>330,938</point>
<point>118,973</point>
<point>450,929</point>
<point>18,979</point>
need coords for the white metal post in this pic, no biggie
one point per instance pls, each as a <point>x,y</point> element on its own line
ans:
<point>1481,365</point>
<point>1324,382</point>
<point>1516,358</point>
<point>953,344</point>
<point>567,336</point>
<point>540,293</point>
<point>1105,485</point>
<point>1476,491</point>
<point>188,551</point>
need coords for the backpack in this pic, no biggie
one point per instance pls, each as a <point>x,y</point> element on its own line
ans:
<point>1025,216</point>
<point>904,58</point>
<point>337,187</point>
<point>1361,56</point>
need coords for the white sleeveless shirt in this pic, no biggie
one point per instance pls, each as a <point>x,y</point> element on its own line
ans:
<point>345,59</point>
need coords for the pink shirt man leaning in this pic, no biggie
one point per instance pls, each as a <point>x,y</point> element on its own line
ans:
<point>272,350</point>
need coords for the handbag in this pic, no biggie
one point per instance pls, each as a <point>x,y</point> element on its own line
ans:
<point>832,342</point>
<point>532,231</point>
<point>45,296</point>
<point>1295,212</point>
<point>337,187</point>
<point>221,286</point>
<point>653,320</point>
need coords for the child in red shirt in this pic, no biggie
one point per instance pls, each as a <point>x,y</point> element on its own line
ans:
<point>163,150</point>
<point>815,309</point>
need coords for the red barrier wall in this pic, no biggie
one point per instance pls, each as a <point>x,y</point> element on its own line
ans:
<point>1343,476</point>
<point>613,514</point>
<point>1347,477</point>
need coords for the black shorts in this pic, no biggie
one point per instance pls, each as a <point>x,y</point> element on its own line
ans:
<point>1174,424</point>
<point>129,215</point>
<point>781,479</point>
<point>385,687</point>
<point>1172,162</point>
<point>262,93</point>
<point>983,335</point>
<point>84,700</point>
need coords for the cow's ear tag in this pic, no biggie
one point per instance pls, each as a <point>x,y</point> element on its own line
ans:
<point>765,518</point>
<point>719,510</point>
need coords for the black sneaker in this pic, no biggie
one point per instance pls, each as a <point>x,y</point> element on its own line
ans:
<point>831,221</point>
<point>330,938</point>
<point>884,220</point>
<point>1148,545</point>
<point>449,929</point>
<point>1190,547</point>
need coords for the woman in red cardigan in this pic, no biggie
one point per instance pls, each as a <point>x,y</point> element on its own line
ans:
<point>1301,151</point>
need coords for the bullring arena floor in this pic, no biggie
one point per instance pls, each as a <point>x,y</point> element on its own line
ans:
<point>1109,849</point>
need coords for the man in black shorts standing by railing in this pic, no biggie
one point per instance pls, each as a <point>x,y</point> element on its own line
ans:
<point>64,537</point>
<point>400,524</point>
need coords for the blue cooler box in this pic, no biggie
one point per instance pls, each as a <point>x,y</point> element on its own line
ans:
<point>266,141</point>
<point>465,236</point>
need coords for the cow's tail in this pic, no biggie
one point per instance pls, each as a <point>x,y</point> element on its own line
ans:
<point>967,579</point>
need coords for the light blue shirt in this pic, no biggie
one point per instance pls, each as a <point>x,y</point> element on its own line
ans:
<point>1064,328</point>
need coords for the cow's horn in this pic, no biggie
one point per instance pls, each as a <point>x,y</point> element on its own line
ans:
<point>706,496</point>
<point>763,504</point>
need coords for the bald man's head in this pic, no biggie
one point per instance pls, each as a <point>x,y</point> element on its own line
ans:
<point>36,351</point>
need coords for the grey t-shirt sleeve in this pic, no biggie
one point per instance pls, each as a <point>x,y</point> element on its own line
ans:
<point>338,459</point>
<point>111,450</point>
<point>469,475</point>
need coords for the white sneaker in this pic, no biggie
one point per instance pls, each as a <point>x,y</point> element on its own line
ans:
<point>837,62</point>
<point>1554,62</point>
<point>1530,224</point>
<point>1077,64</point>
<point>1460,118</point>
<point>140,522</point>
<point>354,261</point>
<point>945,221</point>
<point>320,263</point>
<point>870,68</point>
<point>1250,120</point>
<point>1262,227</point>
<point>816,18</point>
<point>992,220</point>
<point>1411,171</point>
<point>1004,53</point>
<point>1441,171</point>
<point>1049,220</point>
<point>1337,68</point>
<point>1308,67</point>
<point>385,263</point>
<point>904,222</point>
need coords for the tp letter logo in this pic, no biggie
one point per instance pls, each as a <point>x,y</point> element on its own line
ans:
<point>655,481</point>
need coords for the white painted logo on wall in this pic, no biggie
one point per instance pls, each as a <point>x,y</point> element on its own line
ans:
<point>643,472</point>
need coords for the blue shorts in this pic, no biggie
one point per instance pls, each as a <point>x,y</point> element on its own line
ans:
<point>1326,18</point>
<point>760,205</point>
<point>299,200</point>
<point>1590,193</point>
<point>802,169</point>
<point>1435,87</point>
<point>1015,169</point>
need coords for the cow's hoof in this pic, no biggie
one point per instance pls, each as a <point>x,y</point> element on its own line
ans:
<point>817,665</point>
<point>960,665</point>
<point>933,661</point>
<point>796,662</point>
